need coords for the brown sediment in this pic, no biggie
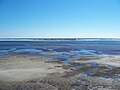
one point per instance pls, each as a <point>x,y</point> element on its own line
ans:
<point>54,76</point>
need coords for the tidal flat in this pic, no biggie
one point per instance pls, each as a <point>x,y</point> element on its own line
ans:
<point>70,65</point>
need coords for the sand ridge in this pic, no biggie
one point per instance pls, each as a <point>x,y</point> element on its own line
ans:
<point>106,60</point>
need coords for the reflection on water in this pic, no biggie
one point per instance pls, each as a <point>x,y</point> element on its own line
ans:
<point>94,64</point>
<point>69,50</point>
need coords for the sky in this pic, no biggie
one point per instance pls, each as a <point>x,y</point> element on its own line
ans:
<point>59,18</point>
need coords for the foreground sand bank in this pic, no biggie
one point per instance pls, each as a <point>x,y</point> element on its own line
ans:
<point>35,73</point>
<point>26,68</point>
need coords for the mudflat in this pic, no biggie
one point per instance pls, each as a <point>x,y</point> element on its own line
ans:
<point>34,73</point>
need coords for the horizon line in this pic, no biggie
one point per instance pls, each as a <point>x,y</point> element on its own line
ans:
<point>61,37</point>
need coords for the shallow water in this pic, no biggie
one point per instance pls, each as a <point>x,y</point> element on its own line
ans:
<point>94,64</point>
<point>70,50</point>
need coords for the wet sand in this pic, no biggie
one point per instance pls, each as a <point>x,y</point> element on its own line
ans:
<point>105,60</point>
<point>34,73</point>
<point>25,68</point>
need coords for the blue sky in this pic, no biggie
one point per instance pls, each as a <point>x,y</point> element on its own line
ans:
<point>60,18</point>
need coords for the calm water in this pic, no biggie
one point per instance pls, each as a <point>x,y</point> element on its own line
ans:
<point>8,48</point>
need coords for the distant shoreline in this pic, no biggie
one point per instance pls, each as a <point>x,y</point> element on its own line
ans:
<point>59,39</point>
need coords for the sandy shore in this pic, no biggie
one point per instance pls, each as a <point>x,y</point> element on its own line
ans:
<point>26,68</point>
<point>34,73</point>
